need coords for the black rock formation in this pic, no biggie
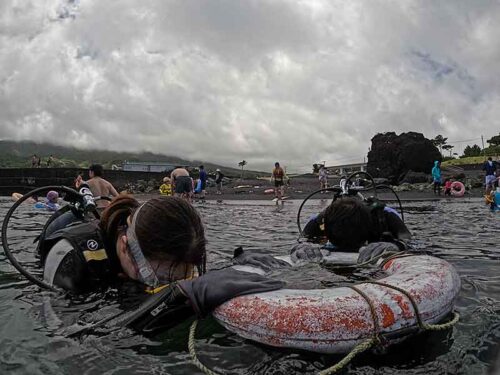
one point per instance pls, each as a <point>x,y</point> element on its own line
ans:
<point>392,156</point>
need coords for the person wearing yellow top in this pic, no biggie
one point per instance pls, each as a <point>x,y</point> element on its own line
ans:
<point>166,187</point>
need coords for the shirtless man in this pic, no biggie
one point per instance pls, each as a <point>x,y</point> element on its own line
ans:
<point>182,184</point>
<point>278,176</point>
<point>99,186</point>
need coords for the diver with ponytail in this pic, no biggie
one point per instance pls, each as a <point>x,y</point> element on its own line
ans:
<point>160,244</point>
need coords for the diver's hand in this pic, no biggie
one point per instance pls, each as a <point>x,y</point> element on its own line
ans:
<point>214,288</point>
<point>264,261</point>
<point>306,251</point>
<point>375,250</point>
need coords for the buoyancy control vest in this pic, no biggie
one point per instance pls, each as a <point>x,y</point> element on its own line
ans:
<point>88,245</point>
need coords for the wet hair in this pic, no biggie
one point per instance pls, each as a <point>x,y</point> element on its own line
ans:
<point>276,164</point>
<point>114,220</point>
<point>490,159</point>
<point>169,228</point>
<point>97,169</point>
<point>347,224</point>
<point>202,167</point>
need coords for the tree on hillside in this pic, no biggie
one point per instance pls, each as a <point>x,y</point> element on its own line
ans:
<point>439,142</point>
<point>494,141</point>
<point>448,148</point>
<point>242,165</point>
<point>472,151</point>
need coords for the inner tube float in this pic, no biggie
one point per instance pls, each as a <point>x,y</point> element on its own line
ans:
<point>335,320</point>
<point>457,189</point>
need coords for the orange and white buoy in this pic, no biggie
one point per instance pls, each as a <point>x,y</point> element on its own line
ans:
<point>336,320</point>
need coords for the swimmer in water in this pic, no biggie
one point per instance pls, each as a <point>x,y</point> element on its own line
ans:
<point>159,244</point>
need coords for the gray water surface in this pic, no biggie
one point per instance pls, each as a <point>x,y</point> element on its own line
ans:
<point>33,321</point>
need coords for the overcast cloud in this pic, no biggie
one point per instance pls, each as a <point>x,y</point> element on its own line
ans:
<point>222,81</point>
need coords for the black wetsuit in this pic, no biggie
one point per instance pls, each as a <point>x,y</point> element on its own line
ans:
<point>76,260</point>
<point>387,225</point>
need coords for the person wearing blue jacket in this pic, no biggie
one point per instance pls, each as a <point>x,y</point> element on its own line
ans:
<point>490,167</point>
<point>436,177</point>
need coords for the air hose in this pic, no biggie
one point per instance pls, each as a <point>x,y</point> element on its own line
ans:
<point>339,193</point>
<point>80,205</point>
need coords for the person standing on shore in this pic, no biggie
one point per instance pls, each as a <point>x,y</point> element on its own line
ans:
<point>218,180</point>
<point>182,183</point>
<point>323,177</point>
<point>34,161</point>
<point>447,187</point>
<point>166,187</point>
<point>49,161</point>
<point>490,167</point>
<point>99,186</point>
<point>436,177</point>
<point>203,181</point>
<point>278,176</point>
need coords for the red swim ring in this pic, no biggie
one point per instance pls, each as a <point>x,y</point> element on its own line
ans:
<point>457,189</point>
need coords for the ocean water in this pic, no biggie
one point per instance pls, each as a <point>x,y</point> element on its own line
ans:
<point>33,322</point>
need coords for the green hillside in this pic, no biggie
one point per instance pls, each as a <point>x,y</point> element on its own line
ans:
<point>18,155</point>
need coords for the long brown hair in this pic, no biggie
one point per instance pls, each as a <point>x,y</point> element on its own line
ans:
<point>169,228</point>
<point>114,218</point>
<point>348,224</point>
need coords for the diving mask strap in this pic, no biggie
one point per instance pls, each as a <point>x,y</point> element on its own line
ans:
<point>146,273</point>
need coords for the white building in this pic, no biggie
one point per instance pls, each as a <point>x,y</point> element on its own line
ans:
<point>148,166</point>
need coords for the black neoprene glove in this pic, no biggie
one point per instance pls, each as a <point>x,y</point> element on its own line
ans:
<point>264,261</point>
<point>374,250</point>
<point>216,287</point>
<point>306,251</point>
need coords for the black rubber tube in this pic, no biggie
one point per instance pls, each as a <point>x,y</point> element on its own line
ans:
<point>5,241</point>
<point>339,191</point>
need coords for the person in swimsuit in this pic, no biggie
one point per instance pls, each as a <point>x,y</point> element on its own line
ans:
<point>182,183</point>
<point>278,176</point>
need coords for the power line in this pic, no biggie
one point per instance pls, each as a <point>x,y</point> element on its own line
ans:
<point>465,140</point>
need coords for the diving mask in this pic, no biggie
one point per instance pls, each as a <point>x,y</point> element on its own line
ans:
<point>146,274</point>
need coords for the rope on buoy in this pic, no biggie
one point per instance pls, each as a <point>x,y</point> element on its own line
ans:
<point>192,351</point>
<point>365,345</point>
<point>360,348</point>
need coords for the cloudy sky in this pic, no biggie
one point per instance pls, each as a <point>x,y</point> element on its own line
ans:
<point>222,81</point>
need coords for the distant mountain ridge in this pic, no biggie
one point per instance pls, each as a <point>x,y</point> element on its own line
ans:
<point>17,154</point>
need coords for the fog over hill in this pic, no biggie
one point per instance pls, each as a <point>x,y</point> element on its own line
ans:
<point>18,154</point>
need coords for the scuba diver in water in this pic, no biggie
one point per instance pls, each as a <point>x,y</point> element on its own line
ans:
<point>160,244</point>
<point>352,225</point>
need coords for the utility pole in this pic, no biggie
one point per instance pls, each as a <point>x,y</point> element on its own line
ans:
<point>482,141</point>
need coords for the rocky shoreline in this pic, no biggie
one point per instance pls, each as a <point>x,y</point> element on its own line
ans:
<point>301,187</point>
